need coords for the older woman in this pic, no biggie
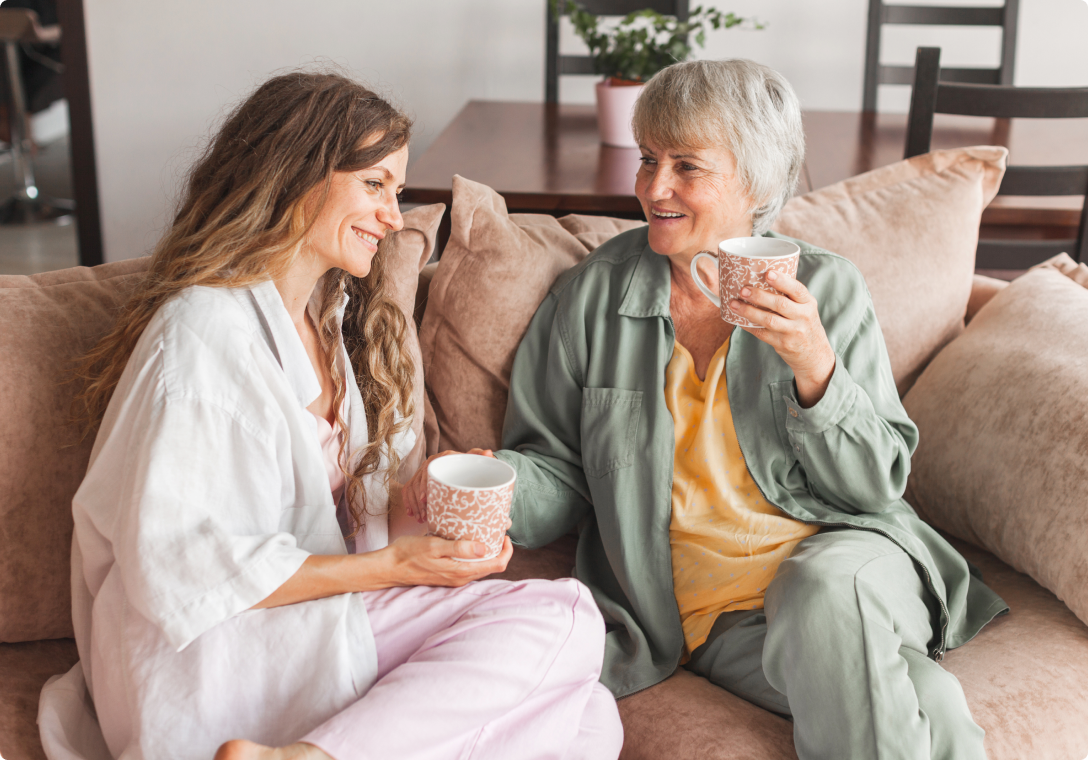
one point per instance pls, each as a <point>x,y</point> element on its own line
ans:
<point>738,492</point>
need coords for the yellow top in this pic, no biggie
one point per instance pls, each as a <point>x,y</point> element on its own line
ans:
<point>726,539</point>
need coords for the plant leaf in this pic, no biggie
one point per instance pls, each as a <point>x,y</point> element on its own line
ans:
<point>645,41</point>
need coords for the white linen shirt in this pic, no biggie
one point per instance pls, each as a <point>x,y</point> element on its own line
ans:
<point>206,490</point>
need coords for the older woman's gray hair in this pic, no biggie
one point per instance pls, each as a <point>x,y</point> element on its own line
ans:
<point>740,105</point>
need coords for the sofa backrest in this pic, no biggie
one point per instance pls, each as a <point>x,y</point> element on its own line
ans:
<point>48,320</point>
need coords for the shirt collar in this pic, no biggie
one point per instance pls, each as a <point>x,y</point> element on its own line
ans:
<point>650,288</point>
<point>286,343</point>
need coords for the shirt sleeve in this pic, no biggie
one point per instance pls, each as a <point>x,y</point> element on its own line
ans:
<point>189,495</point>
<point>542,435</point>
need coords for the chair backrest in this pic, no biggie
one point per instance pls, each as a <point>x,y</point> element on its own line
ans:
<point>881,13</point>
<point>931,96</point>
<point>557,65</point>
<point>22,25</point>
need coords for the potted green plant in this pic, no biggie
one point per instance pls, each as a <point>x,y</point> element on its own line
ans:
<point>627,54</point>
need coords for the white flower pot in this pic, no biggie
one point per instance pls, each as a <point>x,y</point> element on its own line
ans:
<point>614,108</point>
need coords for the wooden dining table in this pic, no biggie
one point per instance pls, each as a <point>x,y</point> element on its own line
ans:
<point>548,158</point>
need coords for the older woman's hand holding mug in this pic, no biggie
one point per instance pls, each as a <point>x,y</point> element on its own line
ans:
<point>758,292</point>
<point>789,322</point>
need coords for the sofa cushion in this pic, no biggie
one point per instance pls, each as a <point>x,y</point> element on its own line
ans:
<point>24,669</point>
<point>1004,430</point>
<point>494,272</point>
<point>556,560</point>
<point>912,229</point>
<point>1024,674</point>
<point>686,716</point>
<point>983,288</point>
<point>47,321</point>
<point>1078,273</point>
<point>591,231</point>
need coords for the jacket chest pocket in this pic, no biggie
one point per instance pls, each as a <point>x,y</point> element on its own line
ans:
<point>609,429</point>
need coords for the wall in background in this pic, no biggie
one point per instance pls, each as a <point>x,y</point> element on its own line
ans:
<point>164,74</point>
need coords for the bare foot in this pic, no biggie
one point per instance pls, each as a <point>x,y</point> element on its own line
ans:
<point>239,749</point>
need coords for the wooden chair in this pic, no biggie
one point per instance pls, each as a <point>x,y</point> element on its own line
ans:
<point>881,13</point>
<point>557,65</point>
<point>931,96</point>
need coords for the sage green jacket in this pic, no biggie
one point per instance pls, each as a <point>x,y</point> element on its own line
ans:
<point>592,440</point>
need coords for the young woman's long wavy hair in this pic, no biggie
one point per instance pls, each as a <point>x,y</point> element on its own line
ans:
<point>242,220</point>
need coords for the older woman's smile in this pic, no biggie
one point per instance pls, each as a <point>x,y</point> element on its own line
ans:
<point>666,214</point>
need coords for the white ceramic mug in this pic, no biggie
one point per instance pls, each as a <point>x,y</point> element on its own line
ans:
<point>468,498</point>
<point>744,262</point>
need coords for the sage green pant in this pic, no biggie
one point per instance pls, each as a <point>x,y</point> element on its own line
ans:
<point>841,646</point>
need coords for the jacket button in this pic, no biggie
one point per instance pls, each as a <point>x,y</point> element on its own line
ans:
<point>797,448</point>
<point>793,412</point>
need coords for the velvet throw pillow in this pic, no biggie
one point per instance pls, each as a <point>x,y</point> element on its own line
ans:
<point>911,228</point>
<point>494,273</point>
<point>1004,431</point>
<point>46,322</point>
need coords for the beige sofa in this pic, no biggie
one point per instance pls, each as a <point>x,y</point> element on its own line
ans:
<point>1025,676</point>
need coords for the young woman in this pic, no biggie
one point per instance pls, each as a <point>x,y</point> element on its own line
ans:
<point>232,575</point>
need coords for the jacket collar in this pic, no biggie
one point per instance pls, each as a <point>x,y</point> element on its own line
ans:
<point>650,288</point>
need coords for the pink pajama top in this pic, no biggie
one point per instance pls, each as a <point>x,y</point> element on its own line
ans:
<point>328,435</point>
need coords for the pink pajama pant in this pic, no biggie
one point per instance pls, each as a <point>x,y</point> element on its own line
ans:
<point>496,669</point>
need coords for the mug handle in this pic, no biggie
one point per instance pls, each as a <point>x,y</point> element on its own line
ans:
<point>714,299</point>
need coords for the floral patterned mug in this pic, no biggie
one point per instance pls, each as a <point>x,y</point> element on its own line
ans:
<point>468,498</point>
<point>744,262</point>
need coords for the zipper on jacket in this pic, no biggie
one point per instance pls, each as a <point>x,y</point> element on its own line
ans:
<point>938,651</point>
